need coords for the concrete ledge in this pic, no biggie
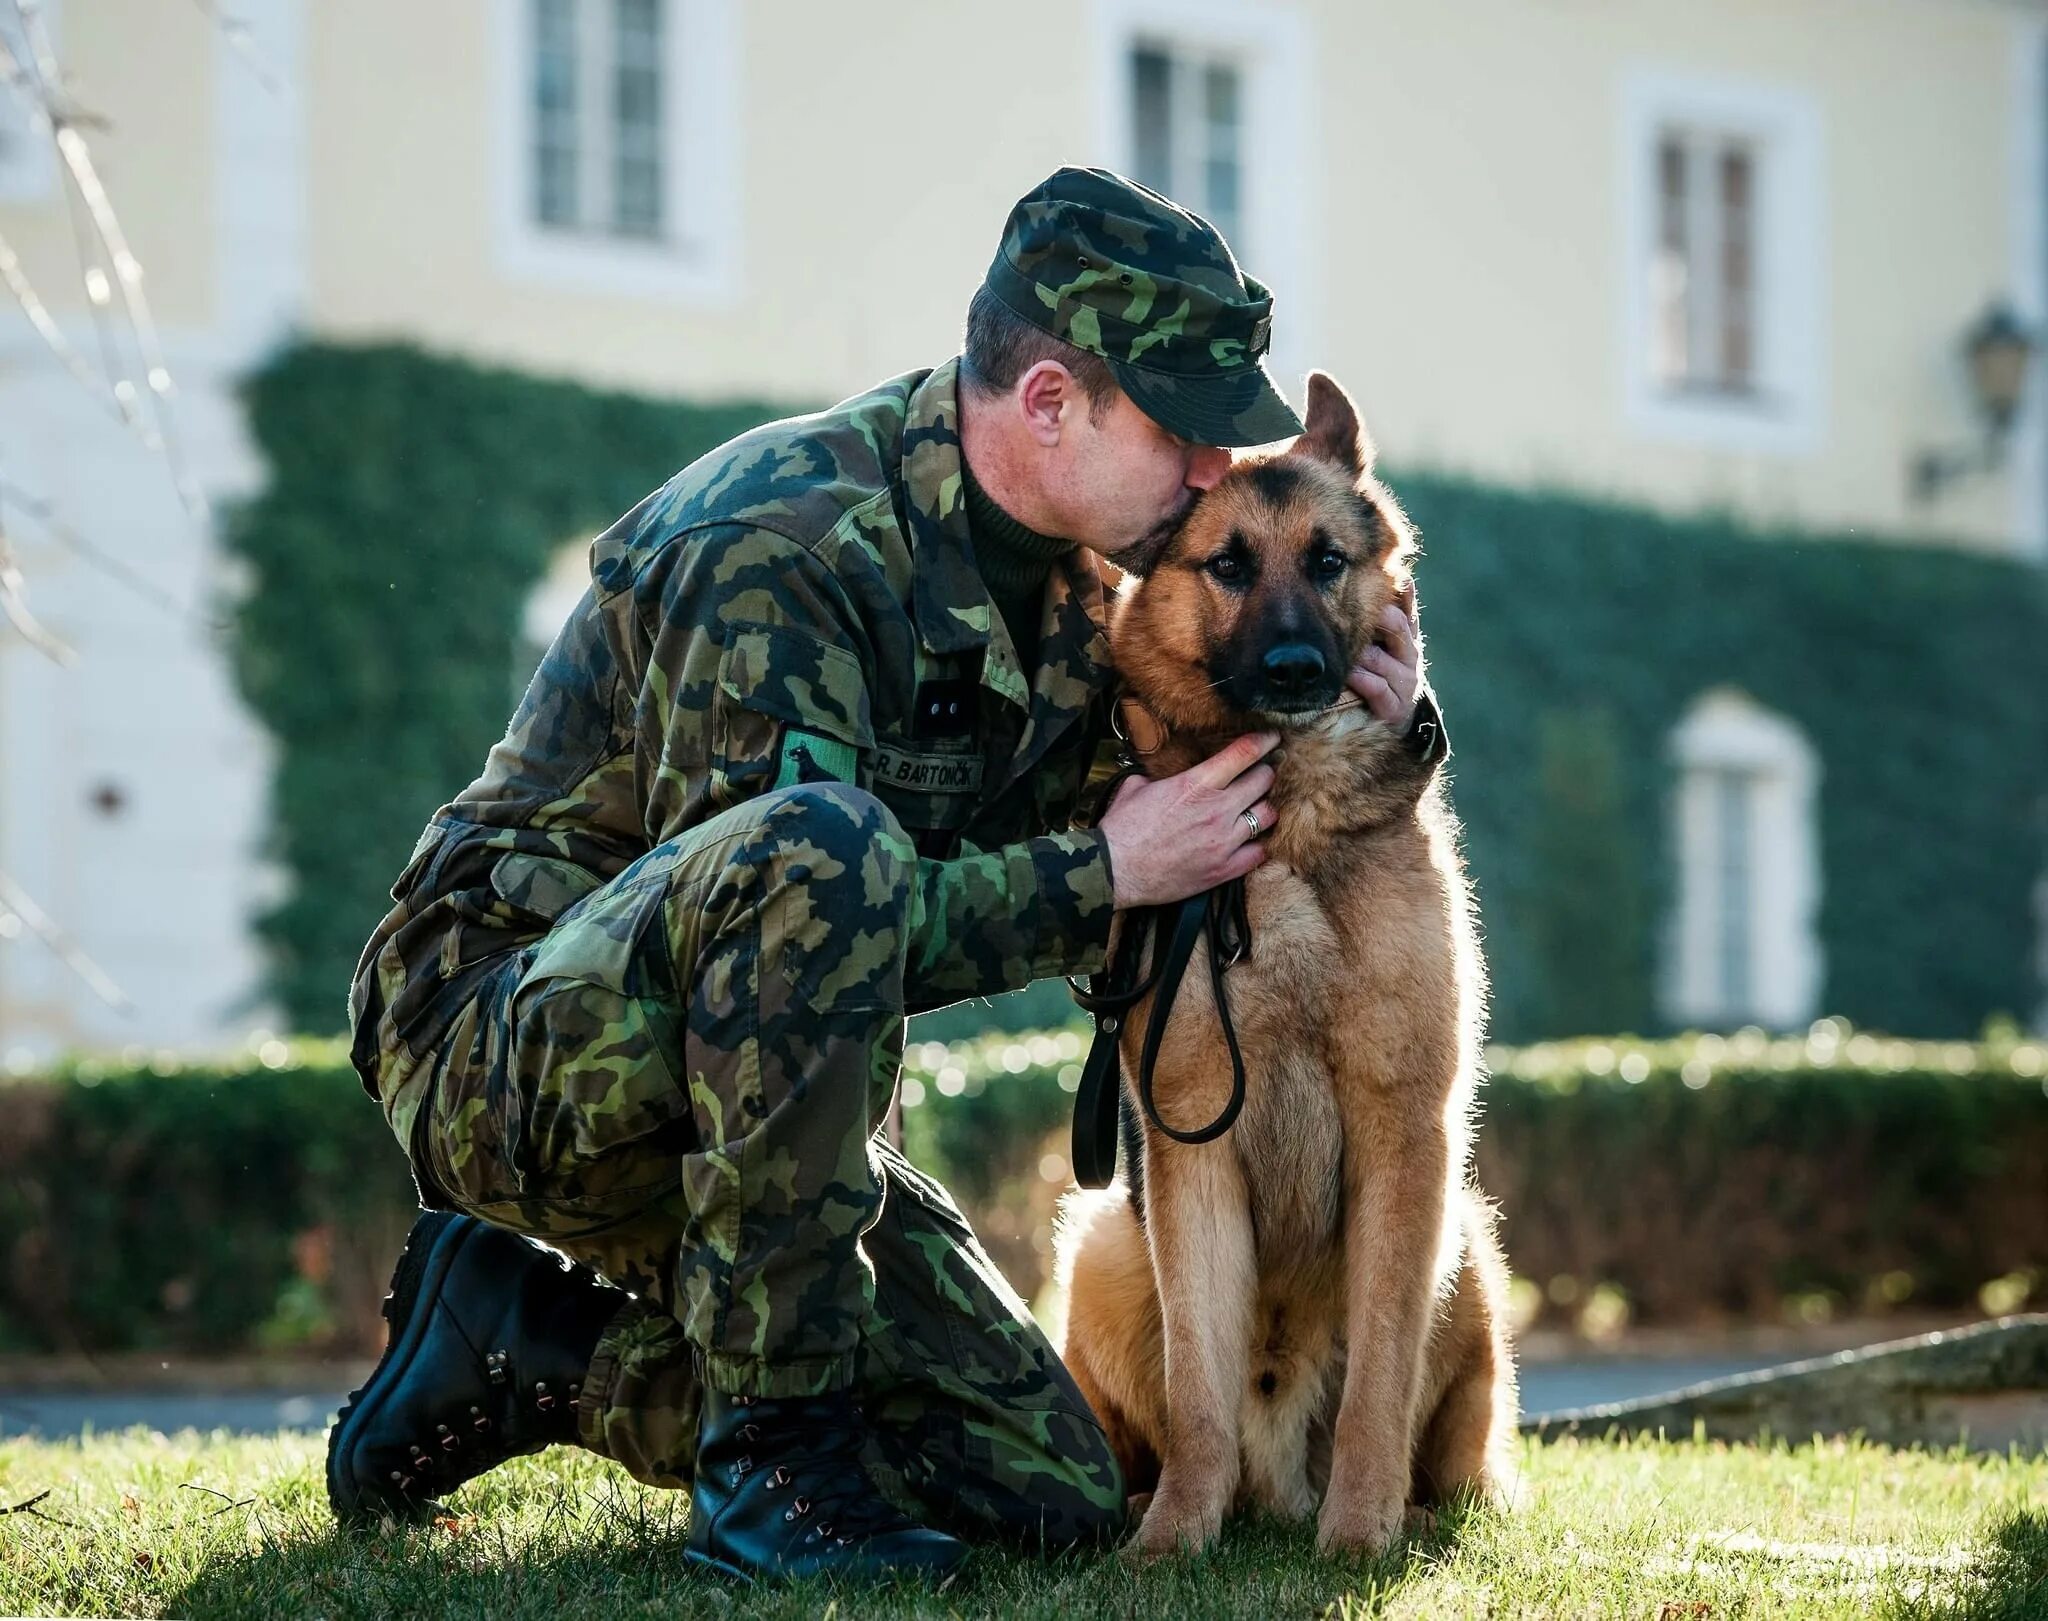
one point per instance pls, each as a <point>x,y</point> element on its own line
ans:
<point>1985,1386</point>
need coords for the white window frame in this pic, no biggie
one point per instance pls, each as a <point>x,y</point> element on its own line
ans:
<point>698,257</point>
<point>1783,412</point>
<point>1727,732</point>
<point>1187,134</point>
<point>28,162</point>
<point>1270,46</point>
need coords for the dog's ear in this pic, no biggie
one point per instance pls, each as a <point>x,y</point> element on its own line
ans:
<point>1332,432</point>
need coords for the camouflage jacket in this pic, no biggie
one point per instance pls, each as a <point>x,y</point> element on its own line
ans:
<point>803,600</point>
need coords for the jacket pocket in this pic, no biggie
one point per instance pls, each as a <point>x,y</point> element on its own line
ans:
<point>774,680</point>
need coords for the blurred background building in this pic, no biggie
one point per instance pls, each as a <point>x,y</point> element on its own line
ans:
<point>1739,259</point>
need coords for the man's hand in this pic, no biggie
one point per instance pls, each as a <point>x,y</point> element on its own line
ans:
<point>1181,835</point>
<point>1389,676</point>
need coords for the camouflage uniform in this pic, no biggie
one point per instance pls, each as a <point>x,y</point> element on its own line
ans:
<point>780,781</point>
<point>775,785</point>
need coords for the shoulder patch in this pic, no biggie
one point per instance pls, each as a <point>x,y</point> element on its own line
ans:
<point>810,757</point>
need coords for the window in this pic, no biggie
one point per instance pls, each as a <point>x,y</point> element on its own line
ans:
<point>1725,229</point>
<point>597,116</point>
<point>1212,103</point>
<point>1742,947</point>
<point>1703,279</point>
<point>28,168</point>
<point>617,152</point>
<point>1187,132</point>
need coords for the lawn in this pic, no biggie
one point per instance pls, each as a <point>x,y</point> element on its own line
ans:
<point>136,1524</point>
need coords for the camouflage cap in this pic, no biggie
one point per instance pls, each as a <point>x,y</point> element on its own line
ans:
<point>1116,269</point>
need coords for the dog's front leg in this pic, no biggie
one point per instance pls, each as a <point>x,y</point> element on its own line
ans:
<point>1395,1171</point>
<point>1198,1221</point>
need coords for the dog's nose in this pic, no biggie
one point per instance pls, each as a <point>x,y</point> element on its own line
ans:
<point>1293,665</point>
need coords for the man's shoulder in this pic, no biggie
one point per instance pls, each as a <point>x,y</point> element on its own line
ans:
<point>797,477</point>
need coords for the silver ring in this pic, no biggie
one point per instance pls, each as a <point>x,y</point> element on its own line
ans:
<point>1251,820</point>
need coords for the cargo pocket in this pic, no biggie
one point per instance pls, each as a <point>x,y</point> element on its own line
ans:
<point>790,707</point>
<point>596,1033</point>
<point>543,886</point>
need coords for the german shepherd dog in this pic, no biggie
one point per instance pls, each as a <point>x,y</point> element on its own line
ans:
<point>1310,1308</point>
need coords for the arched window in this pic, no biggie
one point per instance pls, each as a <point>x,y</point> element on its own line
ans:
<point>547,609</point>
<point>1742,946</point>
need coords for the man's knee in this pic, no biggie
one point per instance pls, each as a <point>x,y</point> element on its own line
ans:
<point>837,870</point>
<point>841,826</point>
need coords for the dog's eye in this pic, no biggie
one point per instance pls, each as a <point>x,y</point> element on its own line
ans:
<point>1330,563</point>
<point>1226,566</point>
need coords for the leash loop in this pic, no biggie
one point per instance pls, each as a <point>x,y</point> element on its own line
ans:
<point>1223,915</point>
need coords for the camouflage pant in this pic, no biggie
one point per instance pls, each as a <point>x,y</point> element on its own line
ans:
<point>680,1086</point>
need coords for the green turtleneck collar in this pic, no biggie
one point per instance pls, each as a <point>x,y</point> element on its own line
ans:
<point>1014,559</point>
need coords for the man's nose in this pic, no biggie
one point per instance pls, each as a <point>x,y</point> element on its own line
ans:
<point>1207,464</point>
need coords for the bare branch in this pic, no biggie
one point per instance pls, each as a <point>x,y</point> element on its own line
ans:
<point>14,609</point>
<point>52,334</point>
<point>40,76</point>
<point>227,1502</point>
<point>53,524</point>
<point>42,59</point>
<point>128,277</point>
<point>15,903</point>
<point>33,1512</point>
<point>236,32</point>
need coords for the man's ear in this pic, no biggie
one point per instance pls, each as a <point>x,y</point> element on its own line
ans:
<point>1331,432</point>
<point>1042,392</point>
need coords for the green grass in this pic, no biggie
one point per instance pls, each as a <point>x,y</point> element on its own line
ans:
<point>136,1524</point>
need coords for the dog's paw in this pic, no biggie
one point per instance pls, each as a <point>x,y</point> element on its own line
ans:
<point>1173,1526</point>
<point>1361,1522</point>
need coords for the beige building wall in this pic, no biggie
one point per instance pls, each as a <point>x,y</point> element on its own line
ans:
<point>871,183</point>
<point>1479,203</point>
<point>1453,181</point>
<point>1440,194</point>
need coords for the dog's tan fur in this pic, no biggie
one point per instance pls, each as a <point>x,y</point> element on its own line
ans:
<point>1313,1306</point>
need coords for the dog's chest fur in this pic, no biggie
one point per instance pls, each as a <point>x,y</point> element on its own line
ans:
<point>1290,1138</point>
<point>1332,930</point>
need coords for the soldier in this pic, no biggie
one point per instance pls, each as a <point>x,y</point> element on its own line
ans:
<point>805,759</point>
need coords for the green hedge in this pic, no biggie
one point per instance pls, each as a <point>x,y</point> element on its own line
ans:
<point>1568,637</point>
<point>412,505</point>
<point>413,502</point>
<point>227,1208</point>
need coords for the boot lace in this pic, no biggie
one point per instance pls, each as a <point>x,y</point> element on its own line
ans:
<point>817,1443</point>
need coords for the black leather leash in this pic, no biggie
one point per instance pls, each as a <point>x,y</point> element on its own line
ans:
<point>1116,990</point>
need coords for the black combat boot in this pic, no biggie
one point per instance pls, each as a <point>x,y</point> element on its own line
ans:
<point>490,1339</point>
<point>781,1492</point>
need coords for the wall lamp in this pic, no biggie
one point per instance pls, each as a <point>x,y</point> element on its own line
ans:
<point>1999,351</point>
